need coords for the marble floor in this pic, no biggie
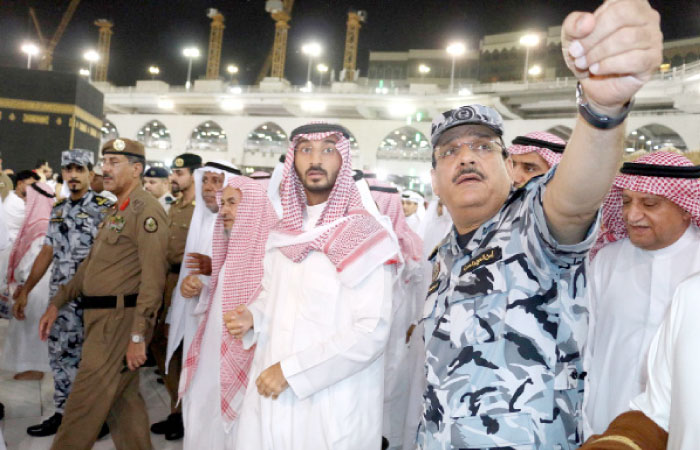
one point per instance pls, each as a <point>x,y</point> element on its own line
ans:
<point>30,402</point>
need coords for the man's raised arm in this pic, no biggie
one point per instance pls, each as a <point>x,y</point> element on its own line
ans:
<point>612,52</point>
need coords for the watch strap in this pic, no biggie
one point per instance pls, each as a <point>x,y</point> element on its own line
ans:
<point>598,120</point>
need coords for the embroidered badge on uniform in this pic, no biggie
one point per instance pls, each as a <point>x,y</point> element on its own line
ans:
<point>488,256</point>
<point>150,225</point>
<point>82,215</point>
<point>116,223</point>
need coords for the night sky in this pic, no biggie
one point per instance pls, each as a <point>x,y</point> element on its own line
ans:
<point>155,31</point>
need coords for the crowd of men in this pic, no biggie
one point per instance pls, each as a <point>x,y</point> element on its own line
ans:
<point>537,302</point>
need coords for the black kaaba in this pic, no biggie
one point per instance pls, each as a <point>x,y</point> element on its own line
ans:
<point>43,113</point>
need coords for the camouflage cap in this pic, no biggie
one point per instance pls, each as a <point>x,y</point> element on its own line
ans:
<point>189,160</point>
<point>124,147</point>
<point>77,156</point>
<point>466,115</point>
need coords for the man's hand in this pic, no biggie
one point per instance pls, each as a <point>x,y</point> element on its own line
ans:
<point>20,299</point>
<point>200,263</point>
<point>46,321</point>
<point>135,355</point>
<point>238,321</point>
<point>613,51</point>
<point>271,382</point>
<point>191,286</point>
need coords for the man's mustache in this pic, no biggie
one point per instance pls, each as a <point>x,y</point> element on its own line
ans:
<point>466,171</point>
<point>316,169</point>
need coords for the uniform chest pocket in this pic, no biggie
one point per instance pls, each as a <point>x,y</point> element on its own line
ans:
<point>512,430</point>
<point>112,238</point>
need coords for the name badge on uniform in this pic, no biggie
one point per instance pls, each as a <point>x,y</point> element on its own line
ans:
<point>116,223</point>
<point>488,256</point>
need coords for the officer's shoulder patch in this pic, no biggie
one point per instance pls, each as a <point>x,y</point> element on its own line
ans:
<point>138,205</point>
<point>150,225</point>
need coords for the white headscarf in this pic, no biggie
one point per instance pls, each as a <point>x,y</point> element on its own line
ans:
<point>182,315</point>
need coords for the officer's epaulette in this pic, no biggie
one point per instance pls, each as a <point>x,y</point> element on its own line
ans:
<point>437,247</point>
<point>59,202</point>
<point>138,205</point>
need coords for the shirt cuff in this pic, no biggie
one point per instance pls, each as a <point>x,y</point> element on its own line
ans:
<point>297,380</point>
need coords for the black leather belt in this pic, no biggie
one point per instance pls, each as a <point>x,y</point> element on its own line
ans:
<point>175,268</point>
<point>107,302</point>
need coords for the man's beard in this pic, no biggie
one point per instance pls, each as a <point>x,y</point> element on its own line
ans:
<point>318,188</point>
<point>175,188</point>
<point>74,186</point>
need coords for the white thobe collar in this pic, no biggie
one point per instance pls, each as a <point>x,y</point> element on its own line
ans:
<point>312,214</point>
<point>681,243</point>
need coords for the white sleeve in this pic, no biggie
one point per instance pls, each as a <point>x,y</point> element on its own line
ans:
<point>353,348</point>
<point>257,309</point>
<point>655,401</point>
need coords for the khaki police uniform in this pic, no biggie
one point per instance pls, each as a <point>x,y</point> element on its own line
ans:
<point>121,283</point>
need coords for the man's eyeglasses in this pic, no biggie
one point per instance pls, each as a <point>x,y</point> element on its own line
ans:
<point>480,148</point>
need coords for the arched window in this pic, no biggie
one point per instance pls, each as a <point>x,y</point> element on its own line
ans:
<point>208,136</point>
<point>405,143</point>
<point>109,132</point>
<point>267,138</point>
<point>155,135</point>
<point>654,137</point>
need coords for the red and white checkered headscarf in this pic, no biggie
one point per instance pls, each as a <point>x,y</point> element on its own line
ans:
<point>261,177</point>
<point>684,192</point>
<point>240,257</point>
<point>343,243</point>
<point>389,204</point>
<point>34,226</point>
<point>548,155</point>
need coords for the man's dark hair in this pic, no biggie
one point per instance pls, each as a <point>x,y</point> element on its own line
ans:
<point>27,174</point>
<point>40,162</point>
<point>137,159</point>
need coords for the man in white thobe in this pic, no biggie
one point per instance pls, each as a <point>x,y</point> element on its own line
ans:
<point>23,351</point>
<point>665,415</point>
<point>533,155</point>
<point>652,213</point>
<point>216,368</point>
<point>401,364</point>
<point>413,208</point>
<point>322,319</point>
<point>183,318</point>
<point>14,203</point>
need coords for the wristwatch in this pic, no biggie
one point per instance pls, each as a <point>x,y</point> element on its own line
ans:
<point>137,338</point>
<point>598,120</point>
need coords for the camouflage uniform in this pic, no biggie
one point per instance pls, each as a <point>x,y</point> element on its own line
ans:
<point>504,325</point>
<point>72,229</point>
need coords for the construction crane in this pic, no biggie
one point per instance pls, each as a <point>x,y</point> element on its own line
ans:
<point>48,46</point>
<point>281,13</point>
<point>216,36</point>
<point>103,42</point>
<point>355,20</point>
